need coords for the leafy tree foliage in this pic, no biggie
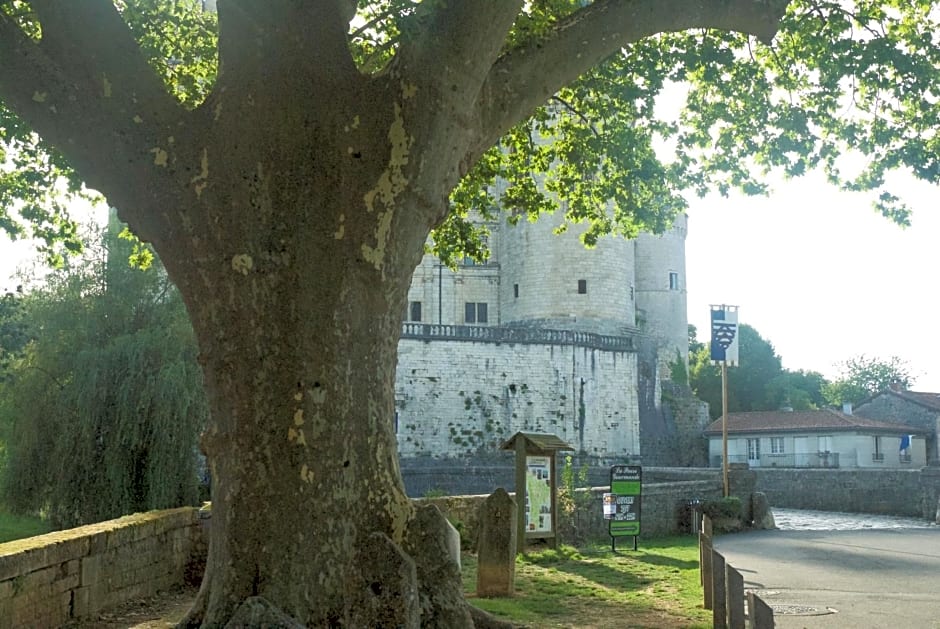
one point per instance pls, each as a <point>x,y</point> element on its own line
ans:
<point>862,376</point>
<point>13,330</point>
<point>759,383</point>
<point>103,405</point>
<point>800,390</point>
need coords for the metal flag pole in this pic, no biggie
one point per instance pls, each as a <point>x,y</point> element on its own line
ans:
<point>724,350</point>
<point>724,427</point>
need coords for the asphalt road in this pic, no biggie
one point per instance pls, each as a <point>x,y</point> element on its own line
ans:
<point>839,579</point>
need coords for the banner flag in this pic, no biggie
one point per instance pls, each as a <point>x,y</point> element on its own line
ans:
<point>905,442</point>
<point>724,345</point>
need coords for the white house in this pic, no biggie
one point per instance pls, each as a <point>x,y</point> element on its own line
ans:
<point>822,438</point>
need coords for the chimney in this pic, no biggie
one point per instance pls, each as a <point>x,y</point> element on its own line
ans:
<point>847,408</point>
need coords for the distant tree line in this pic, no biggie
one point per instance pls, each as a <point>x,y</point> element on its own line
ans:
<point>761,383</point>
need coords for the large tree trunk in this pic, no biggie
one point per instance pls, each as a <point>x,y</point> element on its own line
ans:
<point>308,508</point>
<point>295,267</point>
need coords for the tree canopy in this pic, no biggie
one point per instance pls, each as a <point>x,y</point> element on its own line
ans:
<point>840,78</point>
<point>862,376</point>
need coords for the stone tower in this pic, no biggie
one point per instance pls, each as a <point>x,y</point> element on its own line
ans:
<point>551,280</point>
<point>661,298</point>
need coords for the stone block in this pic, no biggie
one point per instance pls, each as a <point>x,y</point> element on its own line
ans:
<point>382,591</point>
<point>496,545</point>
<point>88,600</point>
<point>256,611</point>
<point>763,516</point>
<point>6,613</point>
<point>92,570</point>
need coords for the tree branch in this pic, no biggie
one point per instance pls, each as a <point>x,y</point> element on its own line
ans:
<point>86,89</point>
<point>522,80</point>
<point>454,44</point>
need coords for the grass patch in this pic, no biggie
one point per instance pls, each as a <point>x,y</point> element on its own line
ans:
<point>656,586</point>
<point>19,526</point>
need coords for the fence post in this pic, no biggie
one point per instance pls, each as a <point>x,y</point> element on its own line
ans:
<point>705,548</point>
<point>719,612</point>
<point>734,597</point>
<point>759,614</point>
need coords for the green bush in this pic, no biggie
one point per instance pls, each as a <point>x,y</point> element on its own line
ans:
<point>722,508</point>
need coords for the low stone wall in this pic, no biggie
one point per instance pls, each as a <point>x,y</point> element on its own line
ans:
<point>663,512</point>
<point>47,580</point>
<point>881,491</point>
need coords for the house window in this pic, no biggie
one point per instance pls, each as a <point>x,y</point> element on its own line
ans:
<point>753,449</point>
<point>414,311</point>
<point>824,443</point>
<point>475,312</point>
<point>877,453</point>
<point>673,280</point>
<point>515,291</point>
<point>776,445</point>
<point>582,287</point>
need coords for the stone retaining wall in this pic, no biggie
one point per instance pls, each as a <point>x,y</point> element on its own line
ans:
<point>881,491</point>
<point>47,580</point>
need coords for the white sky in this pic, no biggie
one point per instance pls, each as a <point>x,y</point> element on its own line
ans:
<point>821,275</point>
<point>816,271</point>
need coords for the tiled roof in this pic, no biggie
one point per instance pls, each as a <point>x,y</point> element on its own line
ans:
<point>806,421</point>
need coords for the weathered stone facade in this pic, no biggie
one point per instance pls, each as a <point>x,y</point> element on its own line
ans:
<point>546,336</point>
<point>486,392</point>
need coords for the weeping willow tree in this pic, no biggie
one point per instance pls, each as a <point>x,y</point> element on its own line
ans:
<point>104,405</point>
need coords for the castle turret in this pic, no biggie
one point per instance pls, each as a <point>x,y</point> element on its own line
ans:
<point>661,298</point>
<point>552,280</point>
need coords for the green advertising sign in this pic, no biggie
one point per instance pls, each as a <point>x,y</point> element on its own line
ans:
<point>625,489</point>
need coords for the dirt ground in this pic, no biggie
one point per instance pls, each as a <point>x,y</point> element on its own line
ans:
<point>159,612</point>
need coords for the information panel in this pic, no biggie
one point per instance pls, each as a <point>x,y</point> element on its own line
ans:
<point>538,494</point>
<point>625,489</point>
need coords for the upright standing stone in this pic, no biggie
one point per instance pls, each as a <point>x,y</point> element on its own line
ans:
<point>761,512</point>
<point>719,612</point>
<point>760,615</point>
<point>496,545</point>
<point>734,597</point>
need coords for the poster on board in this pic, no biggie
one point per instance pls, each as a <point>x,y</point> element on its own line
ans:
<point>538,494</point>
<point>626,489</point>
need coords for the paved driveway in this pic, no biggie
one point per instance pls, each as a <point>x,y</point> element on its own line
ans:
<point>860,579</point>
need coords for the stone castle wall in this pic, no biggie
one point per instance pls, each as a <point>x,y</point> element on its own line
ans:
<point>459,398</point>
